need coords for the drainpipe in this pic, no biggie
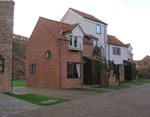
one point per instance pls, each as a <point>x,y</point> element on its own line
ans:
<point>60,63</point>
<point>105,39</point>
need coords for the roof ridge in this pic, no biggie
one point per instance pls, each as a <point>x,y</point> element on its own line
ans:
<point>54,20</point>
<point>82,12</point>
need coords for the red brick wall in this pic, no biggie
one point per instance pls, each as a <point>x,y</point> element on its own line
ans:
<point>122,76</point>
<point>69,56</point>
<point>47,70</point>
<point>6,33</point>
<point>142,63</point>
<point>87,50</point>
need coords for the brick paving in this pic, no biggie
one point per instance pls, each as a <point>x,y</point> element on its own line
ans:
<point>128,102</point>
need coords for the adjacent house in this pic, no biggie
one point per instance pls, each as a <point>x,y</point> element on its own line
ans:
<point>144,63</point>
<point>74,52</point>
<point>20,37</point>
<point>6,34</point>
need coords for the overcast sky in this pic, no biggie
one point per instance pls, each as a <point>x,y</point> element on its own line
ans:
<point>128,20</point>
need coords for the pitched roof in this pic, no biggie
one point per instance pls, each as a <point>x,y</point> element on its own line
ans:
<point>86,40</point>
<point>127,45</point>
<point>55,26</point>
<point>91,37</point>
<point>69,28</point>
<point>91,58</point>
<point>88,16</point>
<point>20,36</point>
<point>114,41</point>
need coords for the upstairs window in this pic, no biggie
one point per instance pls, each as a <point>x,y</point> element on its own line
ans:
<point>32,69</point>
<point>1,63</point>
<point>75,41</point>
<point>98,29</point>
<point>48,54</point>
<point>116,51</point>
<point>138,63</point>
<point>70,39</point>
<point>145,63</point>
<point>73,70</point>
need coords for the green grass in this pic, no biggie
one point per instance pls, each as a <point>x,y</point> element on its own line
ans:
<point>18,83</point>
<point>37,99</point>
<point>89,90</point>
<point>115,87</point>
<point>128,84</point>
<point>137,82</point>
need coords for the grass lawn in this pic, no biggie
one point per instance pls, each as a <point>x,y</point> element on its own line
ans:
<point>128,84</point>
<point>18,83</point>
<point>37,99</point>
<point>137,82</point>
<point>115,87</point>
<point>89,90</point>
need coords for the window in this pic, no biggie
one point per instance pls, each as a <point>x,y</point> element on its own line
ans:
<point>116,51</point>
<point>32,68</point>
<point>145,63</point>
<point>94,43</point>
<point>138,63</point>
<point>98,29</point>
<point>70,38</point>
<point>73,70</point>
<point>1,63</point>
<point>75,41</point>
<point>48,54</point>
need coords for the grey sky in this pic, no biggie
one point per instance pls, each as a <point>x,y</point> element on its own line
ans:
<point>128,20</point>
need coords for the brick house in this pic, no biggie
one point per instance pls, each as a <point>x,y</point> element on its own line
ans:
<point>6,33</point>
<point>60,54</point>
<point>143,64</point>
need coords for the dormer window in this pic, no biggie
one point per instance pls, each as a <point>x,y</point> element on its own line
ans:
<point>98,29</point>
<point>75,43</point>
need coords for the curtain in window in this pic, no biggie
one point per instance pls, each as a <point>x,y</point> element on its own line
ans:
<point>78,69</point>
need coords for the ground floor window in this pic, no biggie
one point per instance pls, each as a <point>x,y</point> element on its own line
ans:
<point>73,70</point>
<point>1,63</point>
<point>32,68</point>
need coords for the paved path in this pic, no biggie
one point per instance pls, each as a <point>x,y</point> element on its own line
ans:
<point>128,102</point>
<point>10,105</point>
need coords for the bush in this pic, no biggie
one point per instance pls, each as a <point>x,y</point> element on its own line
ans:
<point>143,74</point>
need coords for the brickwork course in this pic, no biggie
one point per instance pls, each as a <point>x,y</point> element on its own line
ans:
<point>6,33</point>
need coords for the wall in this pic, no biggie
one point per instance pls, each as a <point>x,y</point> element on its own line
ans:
<point>72,18</point>
<point>118,59</point>
<point>89,27</point>
<point>47,70</point>
<point>69,56</point>
<point>6,34</point>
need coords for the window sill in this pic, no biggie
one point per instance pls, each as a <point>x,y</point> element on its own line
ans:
<point>73,78</point>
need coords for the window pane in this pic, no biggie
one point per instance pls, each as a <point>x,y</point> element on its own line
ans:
<point>1,68</point>
<point>1,61</point>
<point>98,29</point>
<point>78,70</point>
<point>118,51</point>
<point>34,68</point>
<point>70,39</point>
<point>75,41</point>
<point>114,50</point>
